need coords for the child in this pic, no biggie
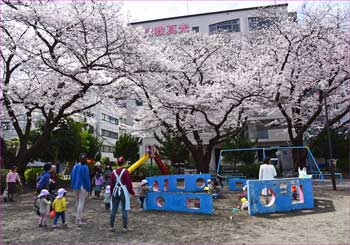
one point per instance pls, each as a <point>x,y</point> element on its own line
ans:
<point>44,207</point>
<point>60,206</point>
<point>11,179</point>
<point>98,183</point>
<point>143,191</point>
<point>217,190</point>
<point>294,193</point>
<point>211,186</point>
<point>107,197</point>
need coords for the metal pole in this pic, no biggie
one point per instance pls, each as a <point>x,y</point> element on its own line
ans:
<point>330,145</point>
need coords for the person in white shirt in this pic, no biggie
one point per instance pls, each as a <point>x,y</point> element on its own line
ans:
<point>267,172</point>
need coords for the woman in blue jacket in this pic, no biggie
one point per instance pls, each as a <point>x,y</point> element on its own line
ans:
<point>80,183</point>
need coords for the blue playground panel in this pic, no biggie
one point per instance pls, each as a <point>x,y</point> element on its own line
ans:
<point>282,196</point>
<point>180,202</point>
<point>236,184</point>
<point>173,183</point>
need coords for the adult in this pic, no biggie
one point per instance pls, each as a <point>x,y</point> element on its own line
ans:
<point>121,189</point>
<point>93,170</point>
<point>11,180</point>
<point>80,183</point>
<point>267,171</point>
<point>53,179</point>
<point>44,179</point>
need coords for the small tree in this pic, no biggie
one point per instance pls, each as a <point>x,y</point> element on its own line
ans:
<point>64,143</point>
<point>91,145</point>
<point>172,147</point>
<point>240,141</point>
<point>127,146</point>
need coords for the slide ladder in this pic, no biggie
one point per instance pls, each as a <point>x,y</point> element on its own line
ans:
<point>161,165</point>
<point>143,159</point>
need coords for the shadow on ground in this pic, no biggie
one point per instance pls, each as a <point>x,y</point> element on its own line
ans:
<point>321,206</point>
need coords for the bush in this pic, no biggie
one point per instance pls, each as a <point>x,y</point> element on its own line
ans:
<point>343,165</point>
<point>31,174</point>
<point>3,173</point>
<point>250,170</point>
<point>62,183</point>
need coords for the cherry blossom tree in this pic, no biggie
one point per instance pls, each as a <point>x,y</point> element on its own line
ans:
<point>201,86</point>
<point>60,59</point>
<point>302,53</point>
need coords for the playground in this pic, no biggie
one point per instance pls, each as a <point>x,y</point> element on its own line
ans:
<point>293,210</point>
<point>327,222</point>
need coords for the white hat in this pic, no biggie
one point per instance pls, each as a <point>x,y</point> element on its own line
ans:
<point>43,192</point>
<point>97,164</point>
<point>144,181</point>
<point>209,180</point>
<point>108,189</point>
<point>61,192</point>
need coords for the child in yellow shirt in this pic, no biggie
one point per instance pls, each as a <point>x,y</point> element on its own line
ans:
<point>60,205</point>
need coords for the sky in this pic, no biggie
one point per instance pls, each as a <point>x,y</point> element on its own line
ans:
<point>149,10</point>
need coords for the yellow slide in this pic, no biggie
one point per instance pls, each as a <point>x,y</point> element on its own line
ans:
<point>138,163</point>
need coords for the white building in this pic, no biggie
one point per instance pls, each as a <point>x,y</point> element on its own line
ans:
<point>236,21</point>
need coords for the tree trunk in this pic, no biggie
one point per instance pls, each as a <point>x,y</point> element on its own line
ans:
<point>299,155</point>
<point>202,159</point>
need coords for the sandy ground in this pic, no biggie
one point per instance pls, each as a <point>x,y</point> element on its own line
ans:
<point>328,222</point>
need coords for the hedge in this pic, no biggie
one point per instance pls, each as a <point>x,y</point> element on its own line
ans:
<point>31,174</point>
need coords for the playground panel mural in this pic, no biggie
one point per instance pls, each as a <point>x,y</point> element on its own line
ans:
<point>180,202</point>
<point>179,183</point>
<point>283,195</point>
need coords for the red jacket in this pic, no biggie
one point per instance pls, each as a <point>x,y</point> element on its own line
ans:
<point>126,180</point>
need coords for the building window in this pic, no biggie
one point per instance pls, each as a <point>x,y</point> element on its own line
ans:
<point>139,103</point>
<point>107,148</point>
<point>256,23</point>
<point>109,119</point>
<point>262,133</point>
<point>109,134</point>
<point>195,28</point>
<point>6,125</point>
<point>225,26</point>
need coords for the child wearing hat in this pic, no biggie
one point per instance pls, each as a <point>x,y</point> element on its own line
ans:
<point>60,206</point>
<point>107,197</point>
<point>143,191</point>
<point>211,186</point>
<point>44,207</point>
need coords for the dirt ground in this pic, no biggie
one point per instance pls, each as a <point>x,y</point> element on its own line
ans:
<point>328,222</point>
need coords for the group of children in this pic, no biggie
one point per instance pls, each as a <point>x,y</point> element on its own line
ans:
<point>56,209</point>
<point>214,188</point>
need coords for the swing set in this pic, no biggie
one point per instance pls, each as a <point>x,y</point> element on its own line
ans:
<point>310,161</point>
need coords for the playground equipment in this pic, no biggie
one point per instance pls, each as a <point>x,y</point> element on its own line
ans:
<point>286,162</point>
<point>138,163</point>
<point>153,154</point>
<point>175,193</point>
<point>236,184</point>
<point>283,194</point>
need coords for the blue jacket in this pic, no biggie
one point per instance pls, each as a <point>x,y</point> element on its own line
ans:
<point>44,180</point>
<point>80,177</point>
